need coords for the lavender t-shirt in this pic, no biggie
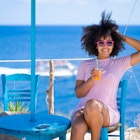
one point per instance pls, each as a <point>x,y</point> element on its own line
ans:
<point>105,89</point>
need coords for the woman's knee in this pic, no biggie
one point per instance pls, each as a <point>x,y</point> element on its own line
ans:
<point>75,126</point>
<point>78,122</point>
<point>93,106</point>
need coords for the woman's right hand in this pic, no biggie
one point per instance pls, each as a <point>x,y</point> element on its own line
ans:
<point>96,74</point>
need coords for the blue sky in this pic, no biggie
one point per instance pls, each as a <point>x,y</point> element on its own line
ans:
<point>68,12</point>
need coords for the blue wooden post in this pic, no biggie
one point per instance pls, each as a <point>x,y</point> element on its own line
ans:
<point>33,48</point>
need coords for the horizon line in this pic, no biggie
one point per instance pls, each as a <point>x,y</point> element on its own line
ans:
<point>61,24</point>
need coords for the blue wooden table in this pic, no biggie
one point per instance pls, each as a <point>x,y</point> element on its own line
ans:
<point>46,127</point>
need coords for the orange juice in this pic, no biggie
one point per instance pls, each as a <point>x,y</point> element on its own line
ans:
<point>98,77</point>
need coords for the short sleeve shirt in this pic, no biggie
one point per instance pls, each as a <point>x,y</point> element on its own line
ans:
<point>105,89</point>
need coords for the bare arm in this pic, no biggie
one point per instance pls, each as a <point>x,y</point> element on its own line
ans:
<point>131,41</point>
<point>135,57</point>
<point>82,87</point>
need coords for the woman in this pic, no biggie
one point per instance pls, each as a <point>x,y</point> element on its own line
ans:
<point>98,107</point>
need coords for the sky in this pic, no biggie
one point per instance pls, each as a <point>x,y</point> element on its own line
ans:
<point>69,12</point>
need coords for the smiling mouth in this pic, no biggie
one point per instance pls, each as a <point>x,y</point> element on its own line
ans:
<point>105,50</point>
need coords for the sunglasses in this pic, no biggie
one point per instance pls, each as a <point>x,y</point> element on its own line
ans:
<point>103,43</point>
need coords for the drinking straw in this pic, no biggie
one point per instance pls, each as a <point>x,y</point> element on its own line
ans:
<point>96,63</point>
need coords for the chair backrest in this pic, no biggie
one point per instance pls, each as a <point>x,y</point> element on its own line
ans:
<point>121,98</point>
<point>17,88</point>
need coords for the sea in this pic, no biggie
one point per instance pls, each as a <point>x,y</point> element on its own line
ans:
<point>61,44</point>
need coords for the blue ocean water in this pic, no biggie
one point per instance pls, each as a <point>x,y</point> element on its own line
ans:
<point>62,42</point>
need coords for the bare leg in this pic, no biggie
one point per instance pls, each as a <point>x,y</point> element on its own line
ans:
<point>96,115</point>
<point>79,126</point>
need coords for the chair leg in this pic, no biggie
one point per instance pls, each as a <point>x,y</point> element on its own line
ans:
<point>62,137</point>
<point>122,133</point>
<point>104,134</point>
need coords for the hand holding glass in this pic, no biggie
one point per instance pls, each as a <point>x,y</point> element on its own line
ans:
<point>96,74</point>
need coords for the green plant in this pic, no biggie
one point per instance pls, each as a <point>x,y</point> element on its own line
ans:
<point>1,107</point>
<point>18,107</point>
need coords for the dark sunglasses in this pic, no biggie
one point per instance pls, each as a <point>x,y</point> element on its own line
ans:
<point>103,43</point>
